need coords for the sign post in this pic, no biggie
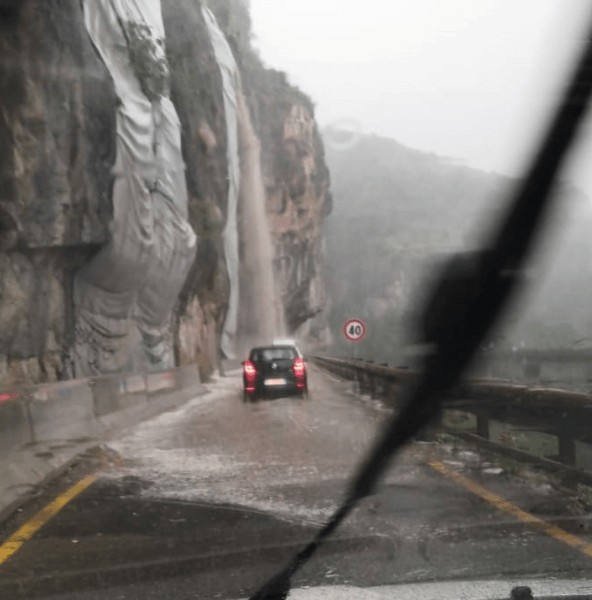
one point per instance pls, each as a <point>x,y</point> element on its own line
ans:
<point>354,331</point>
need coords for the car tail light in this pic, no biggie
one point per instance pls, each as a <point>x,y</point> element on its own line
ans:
<point>249,371</point>
<point>299,369</point>
<point>298,366</point>
<point>4,397</point>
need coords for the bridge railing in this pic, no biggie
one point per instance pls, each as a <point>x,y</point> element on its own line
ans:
<point>546,426</point>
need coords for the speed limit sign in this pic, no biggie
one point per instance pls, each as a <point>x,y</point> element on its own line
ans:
<point>354,330</point>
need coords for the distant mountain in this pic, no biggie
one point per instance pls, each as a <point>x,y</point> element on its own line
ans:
<point>398,211</point>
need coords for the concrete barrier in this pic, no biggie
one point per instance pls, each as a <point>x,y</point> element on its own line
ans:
<point>15,428</point>
<point>106,393</point>
<point>165,381</point>
<point>62,411</point>
<point>118,392</point>
<point>134,384</point>
<point>188,377</point>
<point>44,427</point>
<point>119,400</point>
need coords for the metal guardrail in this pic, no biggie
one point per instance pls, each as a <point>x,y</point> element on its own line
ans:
<point>569,369</point>
<point>548,427</point>
<point>541,354</point>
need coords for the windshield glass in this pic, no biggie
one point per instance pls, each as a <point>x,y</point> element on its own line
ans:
<point>273,353</point>
<point>235,238</point>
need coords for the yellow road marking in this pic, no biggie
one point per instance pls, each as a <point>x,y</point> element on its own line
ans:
<point>14,543</point>
<point>508,507</point>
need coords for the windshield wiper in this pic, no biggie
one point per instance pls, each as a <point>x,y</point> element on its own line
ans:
<point>461,310</point>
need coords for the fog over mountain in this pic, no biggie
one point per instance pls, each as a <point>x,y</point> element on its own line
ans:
<point>398,212</point>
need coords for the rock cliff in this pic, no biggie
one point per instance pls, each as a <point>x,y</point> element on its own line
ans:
<point>122,209</point>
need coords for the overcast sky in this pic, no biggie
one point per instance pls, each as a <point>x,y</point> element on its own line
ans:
<point>468,79</point>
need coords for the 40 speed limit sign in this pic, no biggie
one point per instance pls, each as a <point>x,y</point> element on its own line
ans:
<point>354,330</point>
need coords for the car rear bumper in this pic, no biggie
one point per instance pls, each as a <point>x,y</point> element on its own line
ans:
<point>262,390</point>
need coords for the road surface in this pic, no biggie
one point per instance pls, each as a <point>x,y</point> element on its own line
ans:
<point>208,500</point>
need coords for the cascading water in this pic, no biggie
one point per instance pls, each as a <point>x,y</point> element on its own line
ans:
<point>260,317</point>
<point>262,311</point>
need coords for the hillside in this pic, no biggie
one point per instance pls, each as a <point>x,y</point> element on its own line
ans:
<point>398,212</point>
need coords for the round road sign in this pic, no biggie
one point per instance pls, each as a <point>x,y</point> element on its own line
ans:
<point>354,330</point>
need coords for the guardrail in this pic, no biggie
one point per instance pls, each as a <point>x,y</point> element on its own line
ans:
<point>566,368</point>
<point>42,427</point>
<point>548,427</point>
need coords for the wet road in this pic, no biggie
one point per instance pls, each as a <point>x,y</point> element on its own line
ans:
<point>206,501</point>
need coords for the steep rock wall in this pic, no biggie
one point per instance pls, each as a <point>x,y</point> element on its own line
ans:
<point>57,134</point>
<point>124,297</point>
<point>197,92</point>
<point>59,111</point>
<point>298,202</point>
<point>296,178</point>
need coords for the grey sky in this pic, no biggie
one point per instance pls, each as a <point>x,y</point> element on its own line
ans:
<point>469,79</point>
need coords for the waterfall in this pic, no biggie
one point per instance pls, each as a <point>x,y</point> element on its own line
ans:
<point>261,312</point>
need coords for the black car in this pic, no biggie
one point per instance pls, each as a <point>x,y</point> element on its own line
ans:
<point>274,370</point>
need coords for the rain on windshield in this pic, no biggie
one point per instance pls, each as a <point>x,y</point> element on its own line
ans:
<point>220,222</point>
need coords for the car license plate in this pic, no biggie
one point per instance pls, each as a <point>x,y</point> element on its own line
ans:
<point>275,382</point>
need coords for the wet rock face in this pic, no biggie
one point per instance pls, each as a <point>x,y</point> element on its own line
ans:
<point>58,110</point>
<point>298,202</point>
<point>57,129</point>
<point>297,181</point>
<point>196,91</point>
<point>57,134</point>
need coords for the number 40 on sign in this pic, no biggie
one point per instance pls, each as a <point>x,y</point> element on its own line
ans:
<point>354,330</point>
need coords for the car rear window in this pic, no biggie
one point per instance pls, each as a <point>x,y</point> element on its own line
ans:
<point>273,353</point>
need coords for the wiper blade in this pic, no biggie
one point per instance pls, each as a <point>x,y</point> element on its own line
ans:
<point>461,310</point>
